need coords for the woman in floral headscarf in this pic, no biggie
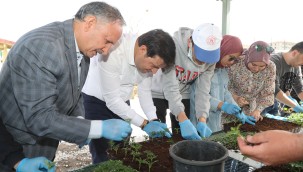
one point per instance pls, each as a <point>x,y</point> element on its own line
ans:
<point>252,80</point>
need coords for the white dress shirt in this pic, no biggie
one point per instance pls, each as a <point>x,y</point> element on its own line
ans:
<point>96,125</point>
<point>112,79</point>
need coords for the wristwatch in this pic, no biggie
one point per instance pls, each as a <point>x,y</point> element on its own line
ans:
<point>145,122</point>
<point>156,120</point>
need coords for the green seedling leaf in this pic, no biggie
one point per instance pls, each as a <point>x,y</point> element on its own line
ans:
<point>49,164</point>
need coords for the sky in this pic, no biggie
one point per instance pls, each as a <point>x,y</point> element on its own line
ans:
<point>250,20</point>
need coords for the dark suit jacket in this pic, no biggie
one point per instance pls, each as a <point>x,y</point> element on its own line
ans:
<point>40,97</point>
<point>10,151</point>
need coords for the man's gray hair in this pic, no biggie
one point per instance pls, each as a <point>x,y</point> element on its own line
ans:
<point>101,10</point>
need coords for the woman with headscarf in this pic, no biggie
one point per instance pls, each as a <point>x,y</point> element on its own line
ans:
<point>252,80</point>
<point>221,99</point>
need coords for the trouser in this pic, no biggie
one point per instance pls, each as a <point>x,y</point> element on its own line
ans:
<point>96,109</point>
<point>273,109</point>
<point>162,106</point>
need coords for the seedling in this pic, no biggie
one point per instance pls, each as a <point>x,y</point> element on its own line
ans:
<point>135,154</point>
<point>113,165</point>
<point>127,139</point>
<point>153,135</point>
<point>125,142</point>
<point>116,148</point>
<point>126,149</point>
<point>235,131</point>
<point>162,134</point>
<point>49,164</point>
<point>177,130</point>
<point>136,147</point>
<point>229,139</point>
<point>297,165</point>
<point>150,159</point>
<point>111,144</point>
<point>135,150</point>
<point>296,118</point>
<point>140,161</point>
<point>170,141</point>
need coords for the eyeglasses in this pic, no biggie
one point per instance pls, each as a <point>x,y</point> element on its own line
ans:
<point>232,58</point>
<point>268,49</point>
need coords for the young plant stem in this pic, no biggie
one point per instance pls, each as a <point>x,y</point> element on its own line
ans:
<point>150,159</point>
<point>111,144</point>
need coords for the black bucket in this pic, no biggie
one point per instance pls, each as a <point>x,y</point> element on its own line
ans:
<point>198,155</point>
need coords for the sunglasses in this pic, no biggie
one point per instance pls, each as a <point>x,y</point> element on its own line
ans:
<point>268,49</point>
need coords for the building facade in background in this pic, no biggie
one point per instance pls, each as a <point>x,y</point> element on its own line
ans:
<point>5,46</point>
<point>282,46</point>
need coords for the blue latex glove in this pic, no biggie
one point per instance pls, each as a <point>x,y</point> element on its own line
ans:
<point>298,109</point>
<point>294,100</point>
<point>245,118</point>
<point>38,164</point>
<point>153,129</point>
<point>115,129</point>
<point>230,108</point>
<point>188,131</point>
<point>275,117</point>
<point>203,129</point>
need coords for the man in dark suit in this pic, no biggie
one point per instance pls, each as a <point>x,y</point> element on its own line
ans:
<point>43,75</point>
<point>12,157</point>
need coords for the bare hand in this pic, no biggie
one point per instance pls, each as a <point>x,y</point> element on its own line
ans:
<point>257,115</point>
<point>273,147</point>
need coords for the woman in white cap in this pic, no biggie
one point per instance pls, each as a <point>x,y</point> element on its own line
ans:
<point>252,80</point>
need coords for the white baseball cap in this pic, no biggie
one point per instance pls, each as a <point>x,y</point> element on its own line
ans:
<point>207,40</point>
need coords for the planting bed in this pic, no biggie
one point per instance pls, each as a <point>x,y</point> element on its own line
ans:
<point>264,125</point>
<point>160,147</point>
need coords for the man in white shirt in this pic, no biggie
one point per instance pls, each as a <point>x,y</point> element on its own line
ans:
<point>111,79</point>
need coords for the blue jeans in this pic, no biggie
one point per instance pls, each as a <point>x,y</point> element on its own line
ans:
<point>273,109</point>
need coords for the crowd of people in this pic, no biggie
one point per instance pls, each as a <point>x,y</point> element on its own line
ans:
<point>73,80</point>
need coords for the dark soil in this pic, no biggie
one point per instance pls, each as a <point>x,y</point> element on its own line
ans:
<point>281,168</point>
<point>160,147</point>
<point>264,125</point>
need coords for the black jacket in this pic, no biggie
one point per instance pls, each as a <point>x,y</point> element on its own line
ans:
<point>10,150</point>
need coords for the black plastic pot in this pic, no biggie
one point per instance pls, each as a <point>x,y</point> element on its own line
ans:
<point>198,155</point>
